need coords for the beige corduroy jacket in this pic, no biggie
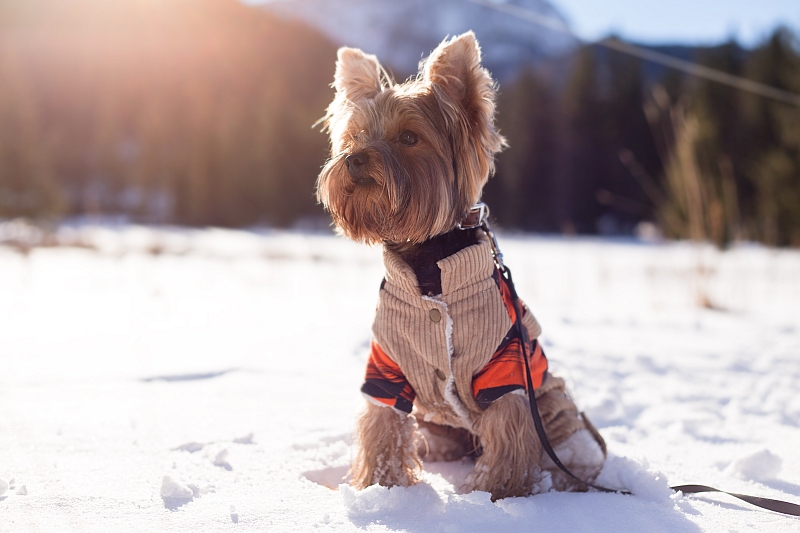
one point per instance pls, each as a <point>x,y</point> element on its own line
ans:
<point>441,342</point>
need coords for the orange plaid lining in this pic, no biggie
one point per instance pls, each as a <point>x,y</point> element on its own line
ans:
<point>504,373</point>
<point>385,381</point>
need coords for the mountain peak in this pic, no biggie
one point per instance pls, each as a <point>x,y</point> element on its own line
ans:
<point>401,32</point>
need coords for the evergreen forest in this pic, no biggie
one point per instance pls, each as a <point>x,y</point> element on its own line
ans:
<point>200,112</point>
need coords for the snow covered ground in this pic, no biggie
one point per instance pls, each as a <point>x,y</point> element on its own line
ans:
<point>207,380</point>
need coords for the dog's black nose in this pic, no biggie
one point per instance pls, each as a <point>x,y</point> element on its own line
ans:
<point>356,160</point>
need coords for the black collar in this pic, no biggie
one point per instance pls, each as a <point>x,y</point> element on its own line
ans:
<point>423,257</point>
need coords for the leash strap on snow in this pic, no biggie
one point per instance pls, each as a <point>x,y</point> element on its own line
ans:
<point>765,503</point>
<point>777,506</point>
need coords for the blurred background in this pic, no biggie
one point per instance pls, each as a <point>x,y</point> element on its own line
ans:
<point>200,112</point>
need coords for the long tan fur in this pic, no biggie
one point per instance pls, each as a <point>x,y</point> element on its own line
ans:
<point>409,193</point>
<point>407,161</point>
<point>509,465</point>
<point>386,442</point>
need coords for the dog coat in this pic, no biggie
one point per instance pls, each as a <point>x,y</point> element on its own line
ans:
<point>450,355</point>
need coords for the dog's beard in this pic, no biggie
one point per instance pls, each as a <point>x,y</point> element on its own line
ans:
<point>398,199</point>
<point>420,187</point>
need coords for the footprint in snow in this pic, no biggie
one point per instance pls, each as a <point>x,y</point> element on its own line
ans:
<point>190,447</point>
<point>175,494</point>
<point>328,477</point>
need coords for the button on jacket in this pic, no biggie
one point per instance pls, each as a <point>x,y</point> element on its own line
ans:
<point>453,354</point>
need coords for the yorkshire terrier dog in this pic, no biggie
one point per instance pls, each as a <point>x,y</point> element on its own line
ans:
<point>446,376</point>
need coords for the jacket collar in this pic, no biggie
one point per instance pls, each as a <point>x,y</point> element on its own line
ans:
<point>460,270</point>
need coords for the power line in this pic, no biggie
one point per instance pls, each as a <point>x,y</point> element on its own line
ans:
<point>649,55</point>
<point>703,72</point>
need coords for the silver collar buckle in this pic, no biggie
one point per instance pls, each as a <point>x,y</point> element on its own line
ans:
<point>478,214</point>
<point>478,217</point>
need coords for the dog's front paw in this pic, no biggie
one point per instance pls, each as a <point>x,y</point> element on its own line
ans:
<point>503,481</point>
<point>510,464</point>
<point>387,449</point>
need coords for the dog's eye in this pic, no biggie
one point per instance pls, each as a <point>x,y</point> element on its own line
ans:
<point>408,137</point>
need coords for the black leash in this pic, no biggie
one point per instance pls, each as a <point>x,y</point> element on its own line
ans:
<point>765,503</point>
<point>537,419</point>
<point>480,214</point>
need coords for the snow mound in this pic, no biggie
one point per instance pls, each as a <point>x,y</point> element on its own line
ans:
<point>762,465</point>
<point>3,487</point>
<point>247,439</point>
<point>234,515</point>
<point>190,447</point>
<point>221,460</point>
<point>421,508</point>
<point>173,490</point>
<point>328,477</point>
<point>627,474</point>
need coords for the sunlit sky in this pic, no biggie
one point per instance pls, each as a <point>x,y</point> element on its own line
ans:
<point>676,21</point>
<point>680,21</point>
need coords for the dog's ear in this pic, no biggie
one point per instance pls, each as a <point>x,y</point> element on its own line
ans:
<point>466,93</point>
<point>358,75</point>
<point>454,67</point>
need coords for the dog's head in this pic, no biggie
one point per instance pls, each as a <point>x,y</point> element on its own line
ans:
<point>409,160</point>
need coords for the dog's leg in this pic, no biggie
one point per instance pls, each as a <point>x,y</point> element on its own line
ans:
<point>509,465</point>
<point>582,456</point>
<point>576,442</point>
<point>386,442</point>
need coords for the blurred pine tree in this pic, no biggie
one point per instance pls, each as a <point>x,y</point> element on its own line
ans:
<point>584,159</point>
<point>200,112</point>
<point>773,162</point>
<point>526,170</point>
<point>187,111</point>
<point>27,187</point>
